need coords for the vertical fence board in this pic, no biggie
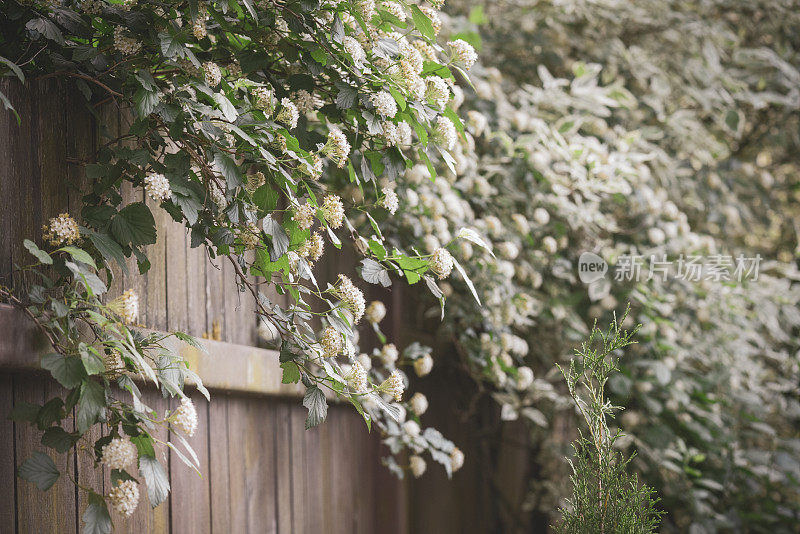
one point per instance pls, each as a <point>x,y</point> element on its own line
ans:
<point>7,458</point>
<point>301,504</point>
<point>177,284</point>
<point>283,463</point>
<point>53,510</point>
<point>190,500</point>
<point>218,468</point>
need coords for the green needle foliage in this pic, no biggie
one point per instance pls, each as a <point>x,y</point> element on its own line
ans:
<point>605,497</point>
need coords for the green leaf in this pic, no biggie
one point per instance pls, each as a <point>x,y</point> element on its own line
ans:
<point>279,240</point>
<point>90,280</point>
<point>134,225</point>
<point>145,101</point>
<point>59,439</point>
<point>156,479</point>
<point>291,373</point>
<point>92,362</point>
<point>317,405</point>
<point>471,235</point>
<point>374,273</point>
<point>266,198</point>
<point>79,255</point>
<point>52,412</point>
<point>423,23</point>
<point>41,255</point>
<point>170,47</point>
<point>226,107</point>
<point>40,470</point>
<point>225,165</point>
<point>25,412</point>
<point>46,28</point>
<point>68,370</point>
<point>91,404</point>
<point>108,248</point>
<point>13,66</point>
<point>413,268</point>
<point>477,16</point>
<point>96,519</point>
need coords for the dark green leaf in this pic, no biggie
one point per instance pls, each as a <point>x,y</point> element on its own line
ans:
<point>59,439</point>
<point>423,23</point>
<point>41,255</point>
<point>68,370</point>
<point>96,519</point>
<point>91,404</point>
<point>40,470</point>
<point>134,225</point>
<point>24,411</point>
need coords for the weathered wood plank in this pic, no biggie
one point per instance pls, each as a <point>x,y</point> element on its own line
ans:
<point>218,468</point>
<point>301,504</point>
<point>38,511</point>
<point>283,465</point>
<point>177,287</point>
<point>190,500</point>
<point>8,478</point>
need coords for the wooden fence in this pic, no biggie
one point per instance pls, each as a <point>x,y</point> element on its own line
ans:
<point>262,472</point>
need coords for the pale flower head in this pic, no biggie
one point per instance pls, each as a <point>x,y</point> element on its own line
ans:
<point>124,497</point>
<point>389,354</point>
<point>333,210</point>
<point>157,187</point>
<point>417,465</point>
<point>441,263</point>
<point>418,403</point>
<point>184,418</point>
<point>423,365</point>
<point>61,230</point>
<point>456,459</point>
<point>331,342</point>
<point>376,311</point>
<point>119,453</point>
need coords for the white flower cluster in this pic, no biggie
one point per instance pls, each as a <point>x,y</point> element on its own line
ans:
<point>390,200</point>
<point>304,215</point>
<point>217,194</point>
<point>250,236</point>
<point>397,134</point>
<point>394,385</point>
<point>444,132</point>
<point>124,497</point>
<point>389,354</point>
<point>384,104</point>
<point>352,297</point>
<point>124,44</point>
<point>263,98</point>
<point>376,311</point>
<point>212,73</point>
<point>255,180</point>
<point>313,248</point>
<point>423,365</point>
<point>395,9</point>
<point>358,378</point>
<point>157,187</point>
<point>456,459</point>
<point>128,306</point>
<point>184,417</point>
<point>333,210</point>
<point>365,8</point>
<point>199,25</point>
<point>438,91</point>
<point>331,342</point>
<point>61,230</point>
<point>418,403</point>
<point>336,147</point>
<point>463,52</point>
<point>306,101</point>
<point>417,465</point>
<point>288,115</point>
<point>119,453</point>
<point>354,48</point>
<point>441,263</point>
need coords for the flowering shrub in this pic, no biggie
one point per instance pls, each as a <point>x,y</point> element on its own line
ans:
<point>616,142</point>
<point>263,127</point>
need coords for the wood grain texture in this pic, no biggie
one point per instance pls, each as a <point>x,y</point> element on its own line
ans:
<point>8,479</point>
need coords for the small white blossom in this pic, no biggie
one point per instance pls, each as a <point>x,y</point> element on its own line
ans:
<point>366,8</point>
<point>184,418</point>
<point>394,385</point>
<point>376,311</point>
<point>128,306</point>
<point>365,361</point>
<point>541,216</point>
<point>389,354</point>
<point>124,497</point>
<point>263,99</point>
<point>438,91</point>
<point>390,200</point>
<point>331,342</point>
<point>411,428</point>
<point>352,297</point>
<point>313,248</point>
<point>550,244</point>
<point>119,453</point>
<point>333,210</point>
<point>445,132</point>
<point>306,101</point>
<point>524,378</point>
<point>463,52</point>
<point>456,459</point>
<point>217,194</point>
<point>418,403</point>
<point>357,377</point>
<point>508,250</point>
<point>441,263</point>
<point>384,104</point>
<point>417,466</point>
<point>124,44</point>
<point>354,48</point>
<point>395,9</point>
<point>61,230</point>
<point>337,147</point>
<point>288,115</point>
<point>212,73</point>
<point>304,215</point>
<point>157,187</point>
<point>423,365</point>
